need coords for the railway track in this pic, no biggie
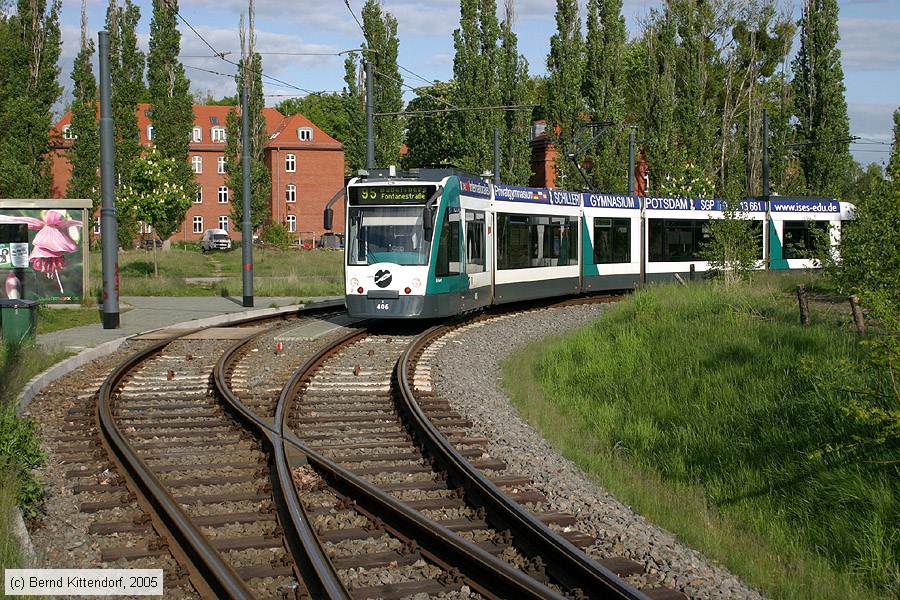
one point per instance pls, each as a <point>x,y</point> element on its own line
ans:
<point>350,480</point>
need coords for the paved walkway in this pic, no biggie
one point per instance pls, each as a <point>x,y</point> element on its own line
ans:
<point>151,312</point>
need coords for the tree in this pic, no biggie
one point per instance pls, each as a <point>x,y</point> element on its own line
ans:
<point>381,38</point>
<point>823,128</point>
<point>249,74</point>
<point>28,90</point>
<point>734,245</point>
<point>604,82</point>
<point>156,196</point>
<point>325,110</point>
<point>893,169</point>
<point>429,138</point>
<point>84,154</point>
<point>353,99</point>
<point>126,64</point>
<point>565,68</point>
<point>169,90</point>
<point>475,73</point>
<point>515,153</point>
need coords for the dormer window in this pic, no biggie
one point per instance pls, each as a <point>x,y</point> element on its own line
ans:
<point>68,134</point>
<point>197,134</point>
<point>305,134</point>
<point>217,134</point>
<point>149,133</point>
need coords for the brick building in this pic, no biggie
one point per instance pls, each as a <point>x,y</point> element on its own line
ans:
<point>306,164</point>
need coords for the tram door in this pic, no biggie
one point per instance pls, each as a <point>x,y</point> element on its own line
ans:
<point>478,245</point>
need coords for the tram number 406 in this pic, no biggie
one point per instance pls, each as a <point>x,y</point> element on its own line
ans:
<point>382,306</point>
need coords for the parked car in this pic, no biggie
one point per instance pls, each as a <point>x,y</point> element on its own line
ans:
<point>215,239</point>
<point>331,241</point>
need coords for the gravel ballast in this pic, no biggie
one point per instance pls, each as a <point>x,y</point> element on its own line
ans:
<point>467,373</point>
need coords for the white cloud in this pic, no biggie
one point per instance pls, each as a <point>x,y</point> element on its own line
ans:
<point>870,44</point>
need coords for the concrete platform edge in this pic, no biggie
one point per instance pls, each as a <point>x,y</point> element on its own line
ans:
<point>42,381</point>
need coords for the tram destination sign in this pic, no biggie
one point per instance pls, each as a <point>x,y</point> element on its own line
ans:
<point>391,194</point>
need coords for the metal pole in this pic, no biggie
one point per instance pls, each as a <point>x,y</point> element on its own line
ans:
<point>631,163</point>
<point>109,234</point>
<point>765,183</point>
<point>370,117</point>
<point>247,225</point>
<point>496,155</point>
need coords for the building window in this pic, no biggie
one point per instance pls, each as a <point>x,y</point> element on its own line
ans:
<point>223,194</point>
<point>529,241</point>
<point>197,163</point>
<point>197,134</point>
<point>223,222</point>
<point>221,165</point>
<point>149,133</point>
<point>290,163</point>
<point>612,241</point>
<point>198,198</point>
<point>68,134</point>
<point>305,134</point>
<point>291,221</point>
<point>198,225</point>
<point>217,134</point>
<point>290,193</point>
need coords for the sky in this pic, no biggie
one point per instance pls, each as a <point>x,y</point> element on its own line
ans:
<point>870,47</point>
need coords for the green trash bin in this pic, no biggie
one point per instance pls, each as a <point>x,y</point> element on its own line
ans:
<point>18,320</point>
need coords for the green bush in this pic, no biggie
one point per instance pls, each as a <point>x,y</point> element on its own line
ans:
<point>277,235</point>
<point>20,452</point>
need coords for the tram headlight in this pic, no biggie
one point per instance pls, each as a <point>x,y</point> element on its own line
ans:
<point>416,283</point>
<point>354,282</point>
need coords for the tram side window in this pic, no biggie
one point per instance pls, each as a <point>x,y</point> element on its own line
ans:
<point>800,237</point>
<point>528,241</point>
<point>475,242</point>
<point>612,241</point>
<point>448,262</point>
<point>677,240</point>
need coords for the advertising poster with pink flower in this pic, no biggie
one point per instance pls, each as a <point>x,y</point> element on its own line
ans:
<point>42,254</point>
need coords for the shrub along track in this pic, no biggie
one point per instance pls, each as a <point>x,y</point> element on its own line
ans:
<point>386,490</point>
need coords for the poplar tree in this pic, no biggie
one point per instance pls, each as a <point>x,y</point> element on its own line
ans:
<point>475,71</point>
<point>249,70</point>
<point>28,90</point>
<point>352,101</point>
<point>381,37</point>
<point>169,92</point>
<point>126,64</point>
<point>429,138</point>
<point>565,103</point>
<point>823,128</point>
<point>515,151</point>
<point>893,169</point>
<point>604,81</point>
<point>84,154</point>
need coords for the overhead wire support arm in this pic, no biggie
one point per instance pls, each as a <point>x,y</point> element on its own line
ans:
<point>575,155</point>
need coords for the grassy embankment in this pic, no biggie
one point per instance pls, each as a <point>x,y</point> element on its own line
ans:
<point>297,273</point>
<point>706,410</point>
<point>19,447</point>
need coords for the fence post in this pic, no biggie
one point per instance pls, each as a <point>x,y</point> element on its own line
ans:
<point>857,315</point>
<point>804,305</point>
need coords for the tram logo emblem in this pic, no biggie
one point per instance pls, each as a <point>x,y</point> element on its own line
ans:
<point>383,278</point>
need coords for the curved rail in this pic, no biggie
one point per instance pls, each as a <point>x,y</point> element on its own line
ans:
<point>218,574</point>
<point>488,575</point>
<point>563,560</point>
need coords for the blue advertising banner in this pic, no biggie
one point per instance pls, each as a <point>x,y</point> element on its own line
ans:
<point>475,188</point>
<point>810,206</point>
<point>611,201</point>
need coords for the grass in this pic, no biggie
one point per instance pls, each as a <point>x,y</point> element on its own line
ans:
<point>54,319</point>
<point>703,408</point>
<point>20,451</point>
<point>292,273</point>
